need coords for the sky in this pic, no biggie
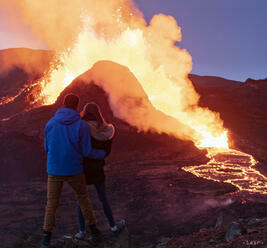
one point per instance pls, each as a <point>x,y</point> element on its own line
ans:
<point>226,38</point>
<point>14,35</point>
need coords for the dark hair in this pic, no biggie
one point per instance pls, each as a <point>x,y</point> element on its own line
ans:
<point>71,101</point>
<point>91,111</point>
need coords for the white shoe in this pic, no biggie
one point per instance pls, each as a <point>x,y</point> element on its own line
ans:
<point>80,235</point>
<point>118,228</point>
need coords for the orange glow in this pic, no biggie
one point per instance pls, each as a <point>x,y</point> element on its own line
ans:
<point>166,85</point>
<point>82,37</point>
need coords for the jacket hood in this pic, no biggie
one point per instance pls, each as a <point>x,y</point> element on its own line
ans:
<point>66,116</point>
<point>106,132</point>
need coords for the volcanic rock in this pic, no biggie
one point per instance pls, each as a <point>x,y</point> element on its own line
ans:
<point>233,231</point>
<point>219,221</point>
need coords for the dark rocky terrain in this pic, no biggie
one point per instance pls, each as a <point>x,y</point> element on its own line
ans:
<point>146,185</point>
<point>240,233</point>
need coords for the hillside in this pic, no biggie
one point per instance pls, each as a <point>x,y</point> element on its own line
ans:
<point>243,108</point>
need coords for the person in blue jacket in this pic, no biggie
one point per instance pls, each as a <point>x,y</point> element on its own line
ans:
<point>67,141</point>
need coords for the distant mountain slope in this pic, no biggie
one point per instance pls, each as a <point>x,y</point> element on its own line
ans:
<point>242,106</point>
<point>19,68</point>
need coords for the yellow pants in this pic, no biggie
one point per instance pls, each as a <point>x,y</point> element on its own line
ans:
<point>54,189</point>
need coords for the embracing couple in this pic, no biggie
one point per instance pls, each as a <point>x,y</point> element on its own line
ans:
<point>76,146</point>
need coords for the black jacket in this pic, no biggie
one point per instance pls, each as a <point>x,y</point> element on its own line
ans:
<point>94,168</point>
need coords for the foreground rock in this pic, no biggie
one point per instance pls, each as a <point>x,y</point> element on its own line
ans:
<point>233,230</point>
<point>241,233</point>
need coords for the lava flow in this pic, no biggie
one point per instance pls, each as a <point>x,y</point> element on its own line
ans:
<point>231,166</point>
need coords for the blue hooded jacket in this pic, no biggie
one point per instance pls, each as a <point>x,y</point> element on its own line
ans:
<point>67,141</point>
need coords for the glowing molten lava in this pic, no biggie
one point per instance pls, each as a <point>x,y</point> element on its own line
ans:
<point>215,142</point>
<point>231,166</point>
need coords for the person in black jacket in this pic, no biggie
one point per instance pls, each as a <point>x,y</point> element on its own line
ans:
<point>102,135</point>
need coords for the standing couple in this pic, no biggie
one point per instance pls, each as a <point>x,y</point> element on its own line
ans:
<point>76,146</point>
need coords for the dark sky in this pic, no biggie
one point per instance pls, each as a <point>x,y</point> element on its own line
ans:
<point>226,38</point>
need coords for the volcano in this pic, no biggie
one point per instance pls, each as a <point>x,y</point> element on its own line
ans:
<point>146,182</point>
